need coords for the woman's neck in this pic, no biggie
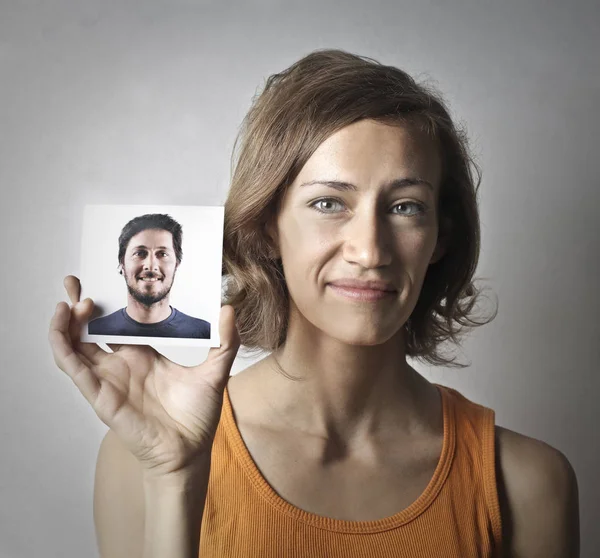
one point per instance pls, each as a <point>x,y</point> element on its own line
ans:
<point>344,391</point>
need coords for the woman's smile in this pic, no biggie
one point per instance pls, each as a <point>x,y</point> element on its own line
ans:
<point>361,295</point>
<point>363,291</point>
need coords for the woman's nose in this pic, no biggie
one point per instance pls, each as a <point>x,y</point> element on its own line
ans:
<point>366,241</point>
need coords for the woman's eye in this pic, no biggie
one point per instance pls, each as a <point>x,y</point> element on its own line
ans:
<point>327,205</point>
<point>420,209</point>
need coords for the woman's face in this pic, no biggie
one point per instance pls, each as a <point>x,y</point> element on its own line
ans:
<point>357,230</point>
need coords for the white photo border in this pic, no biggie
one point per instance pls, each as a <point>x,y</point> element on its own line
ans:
<point>190,218</point>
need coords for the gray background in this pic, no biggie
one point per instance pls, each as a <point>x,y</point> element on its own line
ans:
<point>121,102</point>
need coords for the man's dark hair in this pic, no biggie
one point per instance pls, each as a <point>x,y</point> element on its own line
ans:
<point>151,221</point>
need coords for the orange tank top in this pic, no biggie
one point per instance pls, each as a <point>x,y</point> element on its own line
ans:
<point>457,516</point>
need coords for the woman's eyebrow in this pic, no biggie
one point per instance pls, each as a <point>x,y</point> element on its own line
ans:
<point>142,247</point>
<point>347,186</point>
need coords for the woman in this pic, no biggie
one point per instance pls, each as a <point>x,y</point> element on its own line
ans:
<point>351,239</point>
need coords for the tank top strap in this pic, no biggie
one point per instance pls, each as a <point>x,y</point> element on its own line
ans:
<point>476,450</point>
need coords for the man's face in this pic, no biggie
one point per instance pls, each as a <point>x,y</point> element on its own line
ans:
<point>149,266</point>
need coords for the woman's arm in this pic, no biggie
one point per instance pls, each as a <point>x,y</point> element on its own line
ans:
<point>139,517</point>
<point>174,508</point>
<point>538,497</point>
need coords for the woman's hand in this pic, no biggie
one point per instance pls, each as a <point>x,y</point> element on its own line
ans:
<point>165,414</point>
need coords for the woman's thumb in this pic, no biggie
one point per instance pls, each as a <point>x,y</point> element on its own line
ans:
<point>224,355</point>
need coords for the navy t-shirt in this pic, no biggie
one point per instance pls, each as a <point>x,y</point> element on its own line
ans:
<point>177,324</point>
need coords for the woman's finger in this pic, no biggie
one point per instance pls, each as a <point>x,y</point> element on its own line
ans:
<point>105,398</point>
<point>80,314</point>
<point>73,288</point>
<point>66,357</point>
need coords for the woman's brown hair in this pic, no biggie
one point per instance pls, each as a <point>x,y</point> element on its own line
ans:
<point>297,110</point>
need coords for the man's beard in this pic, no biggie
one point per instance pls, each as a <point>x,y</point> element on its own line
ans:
<point>148,299</point>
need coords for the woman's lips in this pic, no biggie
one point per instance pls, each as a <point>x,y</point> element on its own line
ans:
<point>361,294</point>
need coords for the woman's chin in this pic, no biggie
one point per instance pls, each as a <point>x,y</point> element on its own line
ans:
<point>364,338</point>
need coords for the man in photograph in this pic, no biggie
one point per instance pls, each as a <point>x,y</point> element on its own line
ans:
<point>149,254</point>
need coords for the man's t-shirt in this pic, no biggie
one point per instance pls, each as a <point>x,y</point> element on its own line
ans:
<point>178,325</point>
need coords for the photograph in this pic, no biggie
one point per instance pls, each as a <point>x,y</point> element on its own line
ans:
<point>154,274</point>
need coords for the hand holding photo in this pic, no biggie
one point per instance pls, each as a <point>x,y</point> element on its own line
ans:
<point>132,266</point>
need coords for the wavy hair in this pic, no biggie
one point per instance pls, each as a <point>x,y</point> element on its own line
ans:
<point>295,112</point>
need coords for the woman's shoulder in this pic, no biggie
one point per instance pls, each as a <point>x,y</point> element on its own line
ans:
<point>536,484</point>
<point>538,494</point>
